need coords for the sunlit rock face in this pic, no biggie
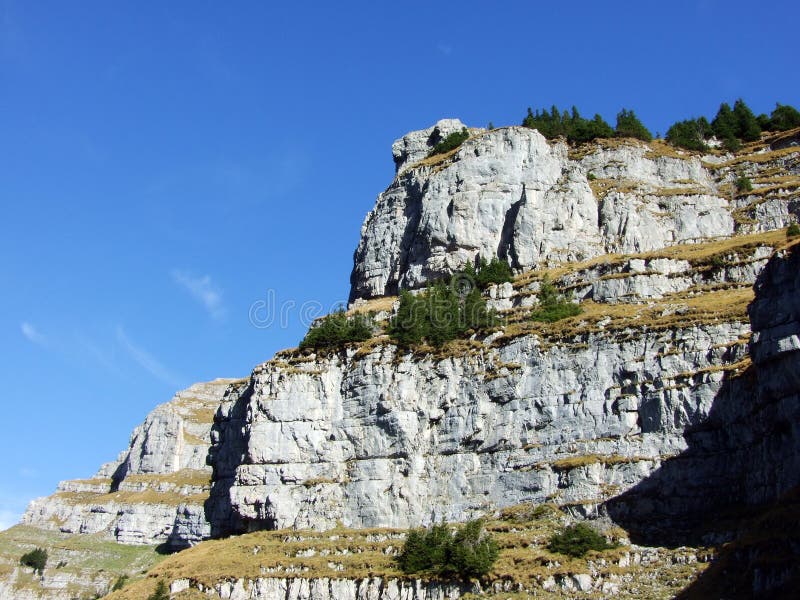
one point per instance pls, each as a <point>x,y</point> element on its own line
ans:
<point>511,193</point>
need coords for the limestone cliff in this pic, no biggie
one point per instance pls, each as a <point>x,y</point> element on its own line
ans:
<point>154,492</point>
<point>509,192</point>
<point>665,399</point>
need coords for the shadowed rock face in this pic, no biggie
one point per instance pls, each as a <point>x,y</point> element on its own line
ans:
<point>746,453</point>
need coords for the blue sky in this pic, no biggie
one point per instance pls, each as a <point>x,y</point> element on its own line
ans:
<point>166,165</point>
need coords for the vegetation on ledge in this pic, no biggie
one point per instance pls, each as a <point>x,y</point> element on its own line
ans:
<point>576,540</point>
<point>731,126</point>
<point>439,314</point>
<point>467,553</point>
<point>553,306</point>
<point>521,533</point>
<point>451,142</point>
<point>337,329</point>
<point>35,559</point>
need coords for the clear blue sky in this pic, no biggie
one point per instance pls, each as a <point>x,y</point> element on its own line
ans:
<point>164,164</point>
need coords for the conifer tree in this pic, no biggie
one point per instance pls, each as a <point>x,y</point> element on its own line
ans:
<point>784,117</point>
<point>747,127</point>
<point>628,125</point>
<point>724,124</point>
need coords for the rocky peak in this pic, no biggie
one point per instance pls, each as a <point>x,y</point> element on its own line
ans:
<point>511,193</point>
<point>416,145</point>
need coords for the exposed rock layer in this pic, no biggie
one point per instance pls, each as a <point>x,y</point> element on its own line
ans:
<point>154,492</point>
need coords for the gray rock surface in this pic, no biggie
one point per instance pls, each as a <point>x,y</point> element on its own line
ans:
<point>511,193</point>
<point>415,146</point>
<point>659,425</point>
<point>392,439</point>
<point>155,491</point>
<point>309,588</point>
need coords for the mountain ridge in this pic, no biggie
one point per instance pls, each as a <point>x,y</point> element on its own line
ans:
<point>656,246</point>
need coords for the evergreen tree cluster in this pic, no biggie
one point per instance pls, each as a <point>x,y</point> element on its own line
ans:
<point>441,313</point>
<point>449,308</point>
<point>731,126</point>
<point>552,305</point>
<point>487,273</point>
<point>569,124</point>
<point>161,592</point>
<point>469,552</point>
<point>452,141</point>
<point>337,329</point>
<point>628,125</point>
<point>577,540</point>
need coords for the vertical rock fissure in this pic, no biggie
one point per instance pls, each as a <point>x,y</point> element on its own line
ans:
<point>506,249</point>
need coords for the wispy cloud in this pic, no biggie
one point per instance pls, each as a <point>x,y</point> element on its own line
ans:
<point>203,290</point>
<point>28,472</point>
<point>32,334</point>
<point>445,49</point>
<point>100,356</point>
<point>147,361</point>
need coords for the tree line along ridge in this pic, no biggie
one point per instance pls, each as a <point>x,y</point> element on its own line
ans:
<point>730,127</point>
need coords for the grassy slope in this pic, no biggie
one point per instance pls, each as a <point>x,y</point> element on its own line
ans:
<point>89,558</point>
<point>522,533</point>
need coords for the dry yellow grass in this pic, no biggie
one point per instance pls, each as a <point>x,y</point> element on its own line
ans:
<point>200,414</point>
<point>522,533</point>
<point>601,186</point>
<point>145,497</point>
<point>753,157</point>
<point>784,186</point>
<point>694,253</point>
<point>384,303</point>
<point>178,478</point>
<point>194,440</point>
<point>680,191</point>
<point>704,308</point>
<point>152,495</point>
<point>437,160</point>
<point>93,481</point>
<point>573,462</point>
<point>660,148</point>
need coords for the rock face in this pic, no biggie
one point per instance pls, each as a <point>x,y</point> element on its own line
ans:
<point>394,440</point>
<point>511,193</point>
<point>155,491</point>
<point>415,146</point>
<point>747,452</point>
<point>656,407</point>
<point>303,588</point>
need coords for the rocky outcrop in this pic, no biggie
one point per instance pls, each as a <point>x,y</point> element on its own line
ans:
<point>416,145</point>
<point>155,491</point>
<point>303,588</point>
<point>511,193</point>
<point>655,407</point>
